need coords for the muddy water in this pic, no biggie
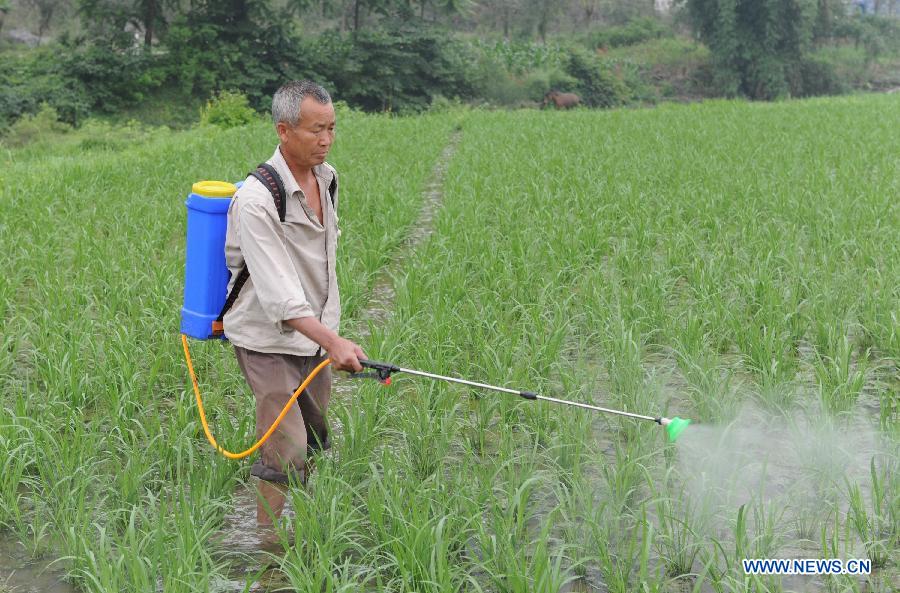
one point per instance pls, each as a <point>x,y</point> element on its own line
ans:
<point>591,582</point>
<point>247,548</point>
<point>21,574</point>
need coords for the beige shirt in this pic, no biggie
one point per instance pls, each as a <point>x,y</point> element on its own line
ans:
<point>291,264</point>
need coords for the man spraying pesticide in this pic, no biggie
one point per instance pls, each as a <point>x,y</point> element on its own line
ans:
<point>283,308</point>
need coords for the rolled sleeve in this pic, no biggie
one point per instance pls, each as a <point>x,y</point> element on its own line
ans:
<point>293,309</point>
<point>274,278</point>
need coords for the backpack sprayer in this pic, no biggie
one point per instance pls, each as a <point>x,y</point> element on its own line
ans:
<point>206,299</point>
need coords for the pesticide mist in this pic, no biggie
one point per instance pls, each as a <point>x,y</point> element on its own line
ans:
<point>792,486</point>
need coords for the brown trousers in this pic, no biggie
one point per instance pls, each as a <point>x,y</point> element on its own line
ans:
<point>273,378</point>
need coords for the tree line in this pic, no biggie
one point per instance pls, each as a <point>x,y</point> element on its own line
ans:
<point>512,18</point>
<point>401,55</point>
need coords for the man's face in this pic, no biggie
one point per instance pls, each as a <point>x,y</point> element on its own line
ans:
<point>307,144</point>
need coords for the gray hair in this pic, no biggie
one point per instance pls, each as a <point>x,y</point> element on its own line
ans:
<point>287,99</point>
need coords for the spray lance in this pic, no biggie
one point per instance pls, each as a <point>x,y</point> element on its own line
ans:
<point>382,372</point>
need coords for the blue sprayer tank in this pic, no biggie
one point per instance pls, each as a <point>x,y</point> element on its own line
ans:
<point>205,274</point>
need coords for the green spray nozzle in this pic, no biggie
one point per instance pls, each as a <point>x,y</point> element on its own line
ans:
<point>674,426</point>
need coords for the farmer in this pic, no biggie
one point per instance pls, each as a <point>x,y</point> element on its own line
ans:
<point>285,318</point>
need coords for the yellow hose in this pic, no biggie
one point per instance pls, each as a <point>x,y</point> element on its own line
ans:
<point>265,437</point>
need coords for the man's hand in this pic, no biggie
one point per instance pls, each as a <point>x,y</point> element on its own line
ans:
<point>345,355</point>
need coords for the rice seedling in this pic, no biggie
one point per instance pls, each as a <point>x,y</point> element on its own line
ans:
<point>428,434</point>
<point>328,531</point>
<point>516,566</point>
<point>569,454</point>
<point>478,432</point>
<point>681,528</point>
<point>623,555</point>
<point>519,553</point>
<point>878,523</point>
<point>15,478</point>
<point>362,429</point>
<point>724,560</point>
<point>415,546</point>
<point>330,575</point>
<point>711,387</point>
<point>835,539</point>
<point>624,475</point>
<point>840,377</point>
<point>807,519</point>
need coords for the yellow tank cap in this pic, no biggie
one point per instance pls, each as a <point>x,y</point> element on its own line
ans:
<point>214,189</point>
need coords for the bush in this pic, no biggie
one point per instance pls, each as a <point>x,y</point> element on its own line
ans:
<point>234,44</point>
<point>520,57</point>
<point>228,109</point>
<point>816,76</point>
<point>539,82</point>
<point>76,80</point>
<point>702,81</point>
<point>597,86</point>
<point>111,79</point>
<point>42,125</point>
<point>441,104</point>
<point>578,72</point>
<point>516,73</point>
<point>31,78</point>
<point>493,83</point>
<point>757,47</point>
<point>637,31</point>
<point>102,135</point>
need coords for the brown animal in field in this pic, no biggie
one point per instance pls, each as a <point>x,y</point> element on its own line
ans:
<point>561,100</point>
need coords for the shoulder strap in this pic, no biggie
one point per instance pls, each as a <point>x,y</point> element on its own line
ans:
<point>271,180</point>
<point>332,189</point>
<point>218,327</point>
<point>333,186</point>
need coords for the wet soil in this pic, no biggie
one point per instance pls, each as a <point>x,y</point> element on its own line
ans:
<point>21,574</point>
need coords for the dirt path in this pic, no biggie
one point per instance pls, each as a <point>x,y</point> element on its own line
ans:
<point>380,305</point>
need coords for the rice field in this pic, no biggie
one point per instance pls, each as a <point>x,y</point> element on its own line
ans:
<point>733,263</point>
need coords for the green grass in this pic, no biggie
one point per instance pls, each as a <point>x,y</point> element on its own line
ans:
<point>688,260</point>
<point>667,51</point>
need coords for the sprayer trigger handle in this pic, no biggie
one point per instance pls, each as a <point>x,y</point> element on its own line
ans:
<point>382,370</point>
<point>363,375</point>
<point>528,394</point>
<point>374,364</point>
<point>376,376</point>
